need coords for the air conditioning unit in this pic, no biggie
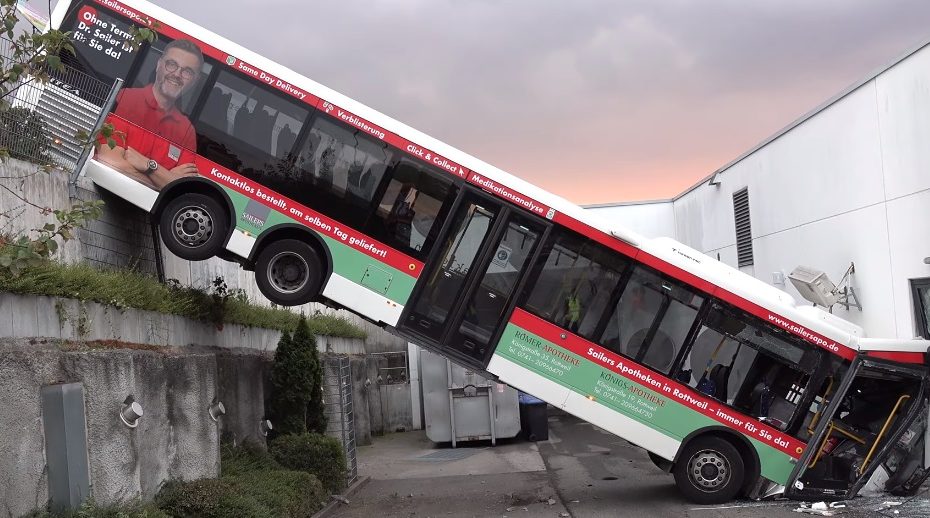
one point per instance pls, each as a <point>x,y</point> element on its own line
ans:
<point>814,285</point>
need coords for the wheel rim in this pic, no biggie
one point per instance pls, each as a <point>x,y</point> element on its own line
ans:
<point>709,470</point>
<point>193,226</point>
<point>288,272</point>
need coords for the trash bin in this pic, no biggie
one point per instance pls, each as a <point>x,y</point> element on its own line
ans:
<point>534,421</point>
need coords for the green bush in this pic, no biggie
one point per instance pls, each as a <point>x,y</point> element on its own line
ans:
<point>91,510</point>
<point>249,457</point>
<point>316,454</point>
<point>262,493</point>
<point>287,494</point>
<point>209,498</point>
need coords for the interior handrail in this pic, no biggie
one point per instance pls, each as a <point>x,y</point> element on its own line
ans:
<point>820,448</point>
<point>830,429</point>
<point>823,403</point>
<point>884,429</point>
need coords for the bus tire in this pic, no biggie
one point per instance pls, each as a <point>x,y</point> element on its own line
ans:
<point>193,226</point>
<point>709,470</point>
<point>289,272</point>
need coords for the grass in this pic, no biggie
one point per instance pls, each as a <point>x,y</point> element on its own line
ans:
<point>92,510</point>
<point>133,290</point>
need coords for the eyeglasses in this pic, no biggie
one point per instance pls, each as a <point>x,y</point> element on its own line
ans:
<point>186,73</point>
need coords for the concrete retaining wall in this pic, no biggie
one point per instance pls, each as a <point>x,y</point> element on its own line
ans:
<point>123,238</point>
<point>175,437</point>
<point>191,364</point>
<point>29,316</point>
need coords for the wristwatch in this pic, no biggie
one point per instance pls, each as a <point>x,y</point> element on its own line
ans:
<point>153,166</point>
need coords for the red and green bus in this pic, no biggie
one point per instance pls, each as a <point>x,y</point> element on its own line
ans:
<point>728,384</point>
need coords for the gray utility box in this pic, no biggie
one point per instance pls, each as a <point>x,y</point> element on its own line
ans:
<point>460,405</point>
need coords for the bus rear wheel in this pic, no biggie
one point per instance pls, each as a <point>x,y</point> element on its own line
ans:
<point>289,272</point>
<point>709,470</point>
<point>193,226</point>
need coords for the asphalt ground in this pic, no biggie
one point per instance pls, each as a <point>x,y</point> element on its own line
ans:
<point>580,472</point>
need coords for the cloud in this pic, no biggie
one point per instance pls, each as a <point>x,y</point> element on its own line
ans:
<point>596,100</point>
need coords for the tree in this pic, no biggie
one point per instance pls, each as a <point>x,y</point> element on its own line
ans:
<point>316,415</point>
<point>296,391</point>
<point>33,56</point>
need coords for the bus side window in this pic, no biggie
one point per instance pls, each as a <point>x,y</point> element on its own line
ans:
<point>744,363</point>
<point>339,168</point>
<point>243,125</point>
<point>411,209</point>
<point>651,320</point>
<point>573,287</point>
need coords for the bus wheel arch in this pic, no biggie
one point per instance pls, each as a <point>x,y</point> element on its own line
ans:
<point>707,449</point>
<point>292,265</point>
<point>195,218</point>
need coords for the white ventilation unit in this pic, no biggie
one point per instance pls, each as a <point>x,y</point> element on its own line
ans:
<point>814,285</point>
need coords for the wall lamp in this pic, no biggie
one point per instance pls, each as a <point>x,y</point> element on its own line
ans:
<point>130,412</point>
<point>216,409</point>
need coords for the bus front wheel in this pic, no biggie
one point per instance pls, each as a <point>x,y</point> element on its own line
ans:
<point>709,470</point>
<point>289,272</point>
<point>193,226</point>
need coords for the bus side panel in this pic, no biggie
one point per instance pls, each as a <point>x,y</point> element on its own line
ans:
<point>121,185</point>
<point>658,422</point>
<point>380,280</point>
<point>775,465</point>
<point>359,281</point>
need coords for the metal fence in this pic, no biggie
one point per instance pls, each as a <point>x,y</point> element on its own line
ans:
<point>340,415</point>
<point>44,118</point>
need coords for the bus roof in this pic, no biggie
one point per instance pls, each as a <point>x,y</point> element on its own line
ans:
<point>744,287</point>
<point>757,292</point>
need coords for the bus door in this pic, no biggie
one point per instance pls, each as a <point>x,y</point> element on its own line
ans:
<point>466,288</point>
<point>872,430</point>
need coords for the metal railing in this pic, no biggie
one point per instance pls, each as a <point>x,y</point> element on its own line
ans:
<point>44,118</point>
<point>340,415</point>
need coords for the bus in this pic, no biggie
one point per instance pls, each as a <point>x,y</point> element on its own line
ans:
<point>726,382</point>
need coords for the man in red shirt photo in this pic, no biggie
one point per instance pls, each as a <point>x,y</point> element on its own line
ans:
<point>139,154</point>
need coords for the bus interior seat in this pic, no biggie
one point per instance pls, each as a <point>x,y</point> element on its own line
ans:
<point>215,111</point>
<point>366,184</point>
<point>286,139</point>
<point>307,157</point>
<point>781,409</point>
<point>360,184</point>
<point>660,353</point>
<point>242,122</point>
<point>720,375</point>
<point>261,131</point>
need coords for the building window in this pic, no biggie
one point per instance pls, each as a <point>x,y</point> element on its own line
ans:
<point>743,227</point>
<point>921,289</point>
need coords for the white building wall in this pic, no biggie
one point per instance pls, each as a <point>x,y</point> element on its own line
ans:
<point>651,219</point>
<point>849,184</point>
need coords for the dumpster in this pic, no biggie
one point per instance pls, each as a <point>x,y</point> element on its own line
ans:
<point>534,420</point>
<point>460,405</point>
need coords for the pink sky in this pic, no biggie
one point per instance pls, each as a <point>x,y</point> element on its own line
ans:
<point>597,101</point>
